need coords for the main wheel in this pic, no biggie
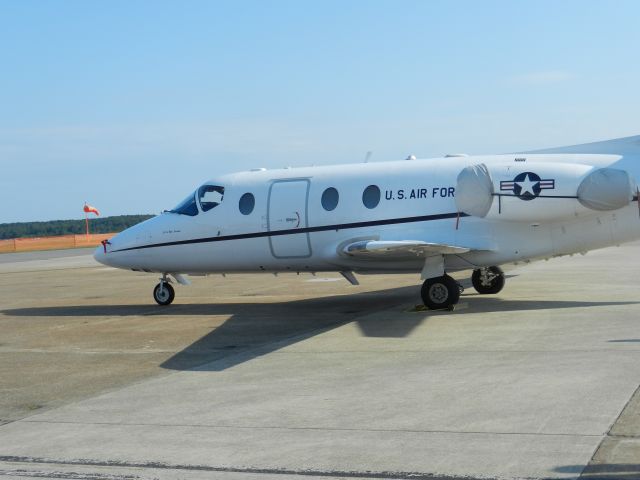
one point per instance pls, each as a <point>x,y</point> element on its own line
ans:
<point>488,280</point>
<point>164,294</point>
<point>440,292</point>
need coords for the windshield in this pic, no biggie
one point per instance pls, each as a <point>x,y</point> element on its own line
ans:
<point>210,196</point>
<point>187,206</point>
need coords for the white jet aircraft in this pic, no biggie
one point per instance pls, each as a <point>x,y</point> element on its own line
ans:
<point>429,216</point>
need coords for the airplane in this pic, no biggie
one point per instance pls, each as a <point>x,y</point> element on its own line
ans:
<point>429,217</point>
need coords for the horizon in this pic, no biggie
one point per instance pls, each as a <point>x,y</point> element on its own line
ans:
<point>131,106</point>
<point>80,219</point>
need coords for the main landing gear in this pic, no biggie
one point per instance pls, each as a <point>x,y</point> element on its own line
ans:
<point>164,293</point>
<point>440,293</point>
<point>488,280</point>
<point>443,293</point>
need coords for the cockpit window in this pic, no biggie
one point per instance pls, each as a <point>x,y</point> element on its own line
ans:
<point>187,206</point>
<point>210,196</point>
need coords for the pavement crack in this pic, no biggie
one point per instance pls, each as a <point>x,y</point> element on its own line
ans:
<point>65,475</point>
<point>390,475</point>
<point>312,428</point>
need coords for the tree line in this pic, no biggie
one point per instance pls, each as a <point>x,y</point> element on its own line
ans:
<point>69,227</point>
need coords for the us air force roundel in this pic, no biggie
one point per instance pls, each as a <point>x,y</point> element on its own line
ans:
<point>527,185</point>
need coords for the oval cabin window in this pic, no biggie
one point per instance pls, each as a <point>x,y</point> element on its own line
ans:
<point>330,198</point>
<point>247,203</point>
<point>371,196</point>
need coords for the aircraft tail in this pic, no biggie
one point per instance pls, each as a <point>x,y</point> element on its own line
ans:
<point>616,146</point>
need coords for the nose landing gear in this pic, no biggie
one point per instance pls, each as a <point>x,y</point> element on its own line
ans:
<point>164,293</point>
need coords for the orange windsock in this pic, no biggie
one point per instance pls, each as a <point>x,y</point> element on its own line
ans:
<point>90,209</point>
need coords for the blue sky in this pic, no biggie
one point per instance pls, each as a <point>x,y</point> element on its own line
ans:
<point>129,105</point>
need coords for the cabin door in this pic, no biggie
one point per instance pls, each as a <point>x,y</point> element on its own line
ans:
<point>288,213</point>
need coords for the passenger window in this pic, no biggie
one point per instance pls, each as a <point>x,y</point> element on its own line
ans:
<point>187,206</point>
<point>247,203</point>
<point>330,199</point>
<point>210,196</point>
<point>371,196</point>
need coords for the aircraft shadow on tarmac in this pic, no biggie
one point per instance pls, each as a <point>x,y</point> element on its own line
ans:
<point>254,329</point>
<point>610,471</point>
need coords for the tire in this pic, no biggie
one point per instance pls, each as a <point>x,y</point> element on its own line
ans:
<point>495,284</point>
<point>164,294</point>
<point>440,293</point>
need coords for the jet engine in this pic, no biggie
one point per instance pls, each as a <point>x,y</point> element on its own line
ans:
<point>539,192</point>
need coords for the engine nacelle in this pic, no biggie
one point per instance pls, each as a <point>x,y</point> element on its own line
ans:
<point>541,192</point>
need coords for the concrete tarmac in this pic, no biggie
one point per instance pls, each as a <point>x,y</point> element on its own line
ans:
<point>273,378</point>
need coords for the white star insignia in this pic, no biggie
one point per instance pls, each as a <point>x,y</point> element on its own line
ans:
<point>527,186</point>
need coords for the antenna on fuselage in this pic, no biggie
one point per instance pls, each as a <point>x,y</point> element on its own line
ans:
<point>368,156</point>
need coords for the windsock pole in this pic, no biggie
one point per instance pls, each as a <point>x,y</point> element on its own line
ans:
<point>86,221</point>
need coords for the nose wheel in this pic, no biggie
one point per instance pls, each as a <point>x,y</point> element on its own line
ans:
<point>440,293</point>
<point>164,293</point>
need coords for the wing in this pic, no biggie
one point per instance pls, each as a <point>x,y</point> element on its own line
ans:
<point>380,249</point>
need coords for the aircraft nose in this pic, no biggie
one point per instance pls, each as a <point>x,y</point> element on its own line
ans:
<point>100,256</point>
<point>111,253</point>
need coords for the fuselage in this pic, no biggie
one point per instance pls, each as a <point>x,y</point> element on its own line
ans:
<point>299,219</point>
